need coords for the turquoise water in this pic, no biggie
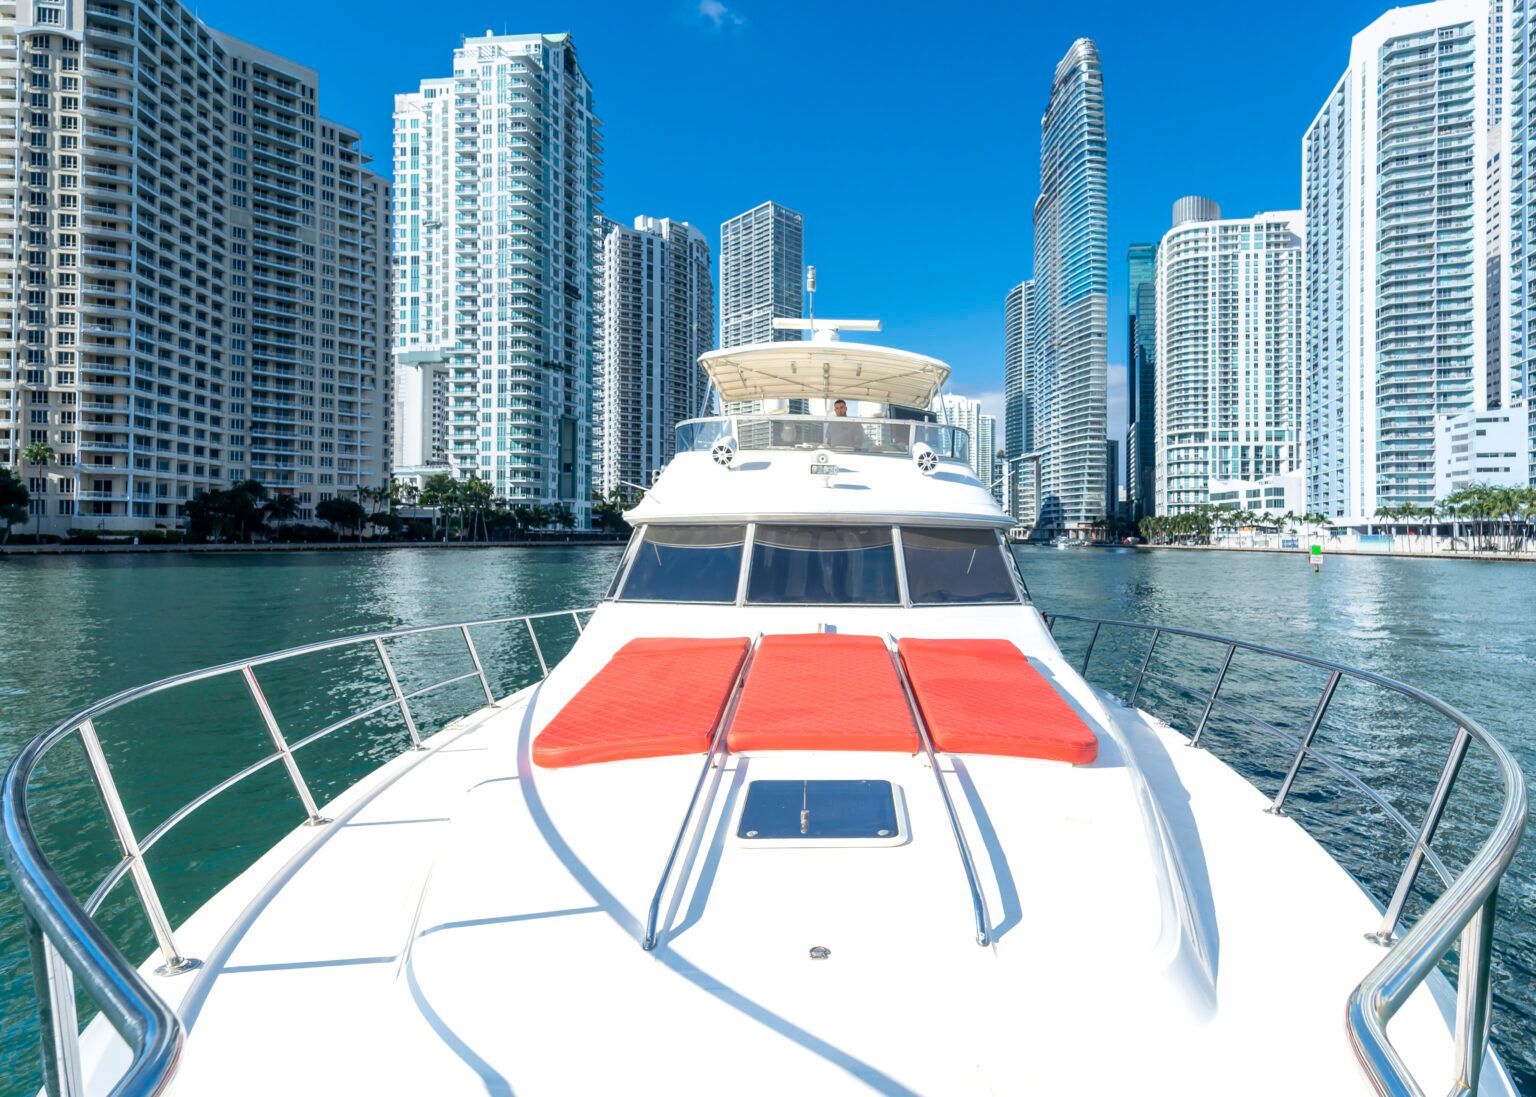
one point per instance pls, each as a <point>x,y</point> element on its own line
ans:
<point>77,628</point>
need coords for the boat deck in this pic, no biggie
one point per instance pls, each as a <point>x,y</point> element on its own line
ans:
<point>468,924</point>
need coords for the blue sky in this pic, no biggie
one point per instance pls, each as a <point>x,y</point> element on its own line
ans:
<point>907,134</point>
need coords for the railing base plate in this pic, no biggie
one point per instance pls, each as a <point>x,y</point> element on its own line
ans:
<point>180,967</point>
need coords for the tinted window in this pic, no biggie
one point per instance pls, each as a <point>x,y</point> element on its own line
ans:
<point>629,550</point>
<point>945,566</point>
<point>822,565</point>
<point>686,564</point>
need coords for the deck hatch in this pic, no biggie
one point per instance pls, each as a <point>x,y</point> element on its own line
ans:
<point>812,812</point>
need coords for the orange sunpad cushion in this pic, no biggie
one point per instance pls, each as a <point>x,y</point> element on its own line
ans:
<point>984,697</point>
<point>823,691</point>
<point>656,696</point>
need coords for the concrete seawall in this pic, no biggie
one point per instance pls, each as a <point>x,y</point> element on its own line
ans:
<point>318,546</point>
<point>1397,554</point>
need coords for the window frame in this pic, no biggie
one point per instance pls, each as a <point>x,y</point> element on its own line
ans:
<point>1021,595</point>
<point>746,578</point>
<point>1010,566</point>
<point>639,540</point>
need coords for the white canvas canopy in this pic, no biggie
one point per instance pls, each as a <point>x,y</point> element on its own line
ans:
<point>825,370</point>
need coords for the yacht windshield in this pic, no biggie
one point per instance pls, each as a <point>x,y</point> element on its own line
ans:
<point>816,565</point>
<point>686,564</point>
<point>946,566</point>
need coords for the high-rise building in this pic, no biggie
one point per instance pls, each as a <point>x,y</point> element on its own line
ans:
<point>1395,190</point>
<point>1229,349</point>
<point>193,274</point>
<point>762,264</point>
<point>963,412</point>
<point>1520,178</point>
<point>496,195</point>
<point>1071,278</point>
<point>1111,477</point>
<point>1141,379</point>
<point>1018,380</point>
<point>656,315</point>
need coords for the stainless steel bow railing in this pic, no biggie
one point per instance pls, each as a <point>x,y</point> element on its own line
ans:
<point>1465,909</point>
<point>67,945</point>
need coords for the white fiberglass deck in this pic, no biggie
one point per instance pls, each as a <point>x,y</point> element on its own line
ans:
<point>471,923</point>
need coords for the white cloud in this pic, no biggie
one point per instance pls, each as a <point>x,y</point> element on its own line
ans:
<point>719,16</point>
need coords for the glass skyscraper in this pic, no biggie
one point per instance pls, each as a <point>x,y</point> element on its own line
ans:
<point>1072,295</point>
<point>1018,378</point>
<point>1140,378</point>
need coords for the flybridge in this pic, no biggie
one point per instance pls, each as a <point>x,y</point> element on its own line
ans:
<point>824,368</point>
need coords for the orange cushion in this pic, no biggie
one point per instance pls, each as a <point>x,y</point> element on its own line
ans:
<point>984,697</point>
<point>823,691</point>
<point>656,696</point>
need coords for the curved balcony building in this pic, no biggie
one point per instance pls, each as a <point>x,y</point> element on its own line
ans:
<point>1228,352</point>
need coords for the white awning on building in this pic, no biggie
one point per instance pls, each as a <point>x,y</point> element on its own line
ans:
<point>825,370</point>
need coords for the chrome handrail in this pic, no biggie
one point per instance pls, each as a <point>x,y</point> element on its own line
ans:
<point>716,741</point>
<point>67,945</point>
<point>978,902</point>
<point>1465,909</point>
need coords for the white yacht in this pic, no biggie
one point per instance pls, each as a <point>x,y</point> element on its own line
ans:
<point>814,804</point>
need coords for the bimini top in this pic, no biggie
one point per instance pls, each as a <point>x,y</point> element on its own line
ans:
<point>824,369</point>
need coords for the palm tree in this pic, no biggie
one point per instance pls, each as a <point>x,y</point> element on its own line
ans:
<point>280,508</point>
<point>40,454</point>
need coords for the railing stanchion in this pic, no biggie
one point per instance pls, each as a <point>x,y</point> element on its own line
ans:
<point>51,1039</point>
<point>1094,639</point>
<point>149,899</point>
<point>576,616</point>
<point>536,649</point>
<point>394,684</point>
<point>63,1030</point>
<point>315,819</point>
<point>1278,807</point>
<point>1145,659</point>
<point>1473,1006</point>
<point>1205,714</point>
<point>480,670</point>
<point>1458,753</point>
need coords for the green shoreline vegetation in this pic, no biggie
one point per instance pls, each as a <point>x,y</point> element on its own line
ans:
<point>441,510</point>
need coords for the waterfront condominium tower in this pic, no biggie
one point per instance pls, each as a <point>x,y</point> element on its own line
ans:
<point>1229,348</point>
<point>762,262</point>
<point>1141,379</point>
<point>1520,177</point>
<point>192,270</point>
<point>1395,185</point>
<point>656,315</point>
<point>965,413</point>
<point>762,258</point>
<point>1071,295</point>
<point>1018,380</point>
<point>496,195</point>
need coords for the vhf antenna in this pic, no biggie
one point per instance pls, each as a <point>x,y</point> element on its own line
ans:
<point>810,293</point>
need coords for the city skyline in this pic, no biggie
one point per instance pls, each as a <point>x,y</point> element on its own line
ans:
<point>1161,121</point>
